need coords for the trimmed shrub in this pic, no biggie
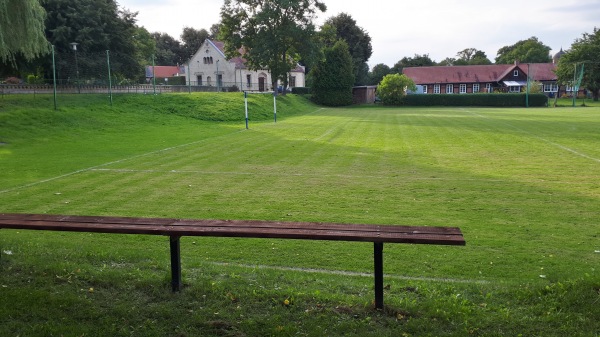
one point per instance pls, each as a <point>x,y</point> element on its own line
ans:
<point>301,91</point>
<point>499,100</point>
<point>392,88</point>
<point>333,77</point>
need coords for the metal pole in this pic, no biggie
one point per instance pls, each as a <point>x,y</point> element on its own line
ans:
<point>246,107</point>
<point>76,68</point>
<point>573,86</point>
<point>378,262</point>
<point>54,76</point>
<point>175,263</point>
<point>527,91</point>
<point>109,79</point>
<point>218,82</point>
<point>275,106</point>
<point>189,78</point>
<point>153,76</point>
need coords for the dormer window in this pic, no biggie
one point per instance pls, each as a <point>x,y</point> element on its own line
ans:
<point>515,73</point>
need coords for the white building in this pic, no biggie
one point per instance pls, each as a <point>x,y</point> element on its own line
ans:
<point>209,67</point>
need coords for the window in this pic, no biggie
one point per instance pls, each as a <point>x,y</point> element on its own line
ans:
<point>208,81</point>
<point>514,88</point>
<point>475,87</point>
<point>292,81</point>
<point>249,81</point>
<point>449,88</point>
<point>463,88</point>
<point>488,88</point>
<point>550,87</point>
<point>199,79</point>
<point>436,88</point>
<point>425,89</point>
<point>515,73</point>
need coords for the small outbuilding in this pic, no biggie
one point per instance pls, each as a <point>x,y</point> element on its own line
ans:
<point>364,94</point>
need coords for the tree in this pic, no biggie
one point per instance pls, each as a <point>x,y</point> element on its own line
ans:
<point>358,41</point>
<point>214,31</point>
<point>448,61</point>
<point>586,51</point>
<point>168,50</point>
<point>378,72</point>
<point>96,26</point>
<point>392,88</point>
<point>416,61</point>
<point>333,77</point>
<point>192,41</point>
<point>145,46</point>
<point>22,30</point>
<point>525,51</point>
<point>472,56</point>
<point>272,34</point>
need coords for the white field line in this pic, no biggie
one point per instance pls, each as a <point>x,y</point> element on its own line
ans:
<point>114,162</point>
<point>349,176</point>
<point>568,149</point>
<point>404,177</point>
<point>97,167</point>
<point>347,273</point>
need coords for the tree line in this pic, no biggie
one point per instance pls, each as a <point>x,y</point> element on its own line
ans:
<point>272,34</point>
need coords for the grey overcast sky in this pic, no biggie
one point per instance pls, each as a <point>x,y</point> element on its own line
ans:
<point>439,28</point>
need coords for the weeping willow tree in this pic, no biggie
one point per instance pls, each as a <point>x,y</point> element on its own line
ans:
<point>22,30</point>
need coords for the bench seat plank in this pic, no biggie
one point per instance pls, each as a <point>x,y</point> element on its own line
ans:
<point>236,228</point>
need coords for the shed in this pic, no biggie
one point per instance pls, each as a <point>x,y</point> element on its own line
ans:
<point>364,94</point>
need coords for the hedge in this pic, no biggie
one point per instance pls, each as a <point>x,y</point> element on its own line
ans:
<point>500,100</point>
<point>301,90</point>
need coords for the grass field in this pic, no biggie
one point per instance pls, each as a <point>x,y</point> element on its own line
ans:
<point>522,184</point>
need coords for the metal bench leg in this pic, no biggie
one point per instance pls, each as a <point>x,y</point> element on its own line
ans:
<point>175,263</point>
<point>378,257</point>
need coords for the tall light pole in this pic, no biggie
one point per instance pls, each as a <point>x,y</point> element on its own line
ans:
<point>74,47</point>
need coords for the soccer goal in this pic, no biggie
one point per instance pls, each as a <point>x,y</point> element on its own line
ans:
<point>274,93</point>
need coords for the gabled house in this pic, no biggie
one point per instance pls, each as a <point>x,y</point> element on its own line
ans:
<point>210,67</point>
<point>483,78</point>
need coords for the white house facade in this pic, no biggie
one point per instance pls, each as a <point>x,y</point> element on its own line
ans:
<point>209,67</point>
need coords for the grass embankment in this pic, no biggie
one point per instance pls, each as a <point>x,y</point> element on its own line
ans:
<point>519,183</point>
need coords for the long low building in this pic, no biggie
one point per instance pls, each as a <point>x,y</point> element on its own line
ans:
<point>483,78</point>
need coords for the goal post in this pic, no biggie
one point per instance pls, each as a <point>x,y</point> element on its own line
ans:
<point>274,93</point>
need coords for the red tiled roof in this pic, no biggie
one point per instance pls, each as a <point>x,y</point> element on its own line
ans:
<point>164,71</point>
<point>477,73</point>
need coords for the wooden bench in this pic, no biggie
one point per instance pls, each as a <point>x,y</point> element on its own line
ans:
<point>176,228</point>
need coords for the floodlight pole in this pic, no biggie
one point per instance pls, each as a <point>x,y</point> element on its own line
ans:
<point>74,47</point>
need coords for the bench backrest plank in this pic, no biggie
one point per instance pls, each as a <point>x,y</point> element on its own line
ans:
<point>236,228</point>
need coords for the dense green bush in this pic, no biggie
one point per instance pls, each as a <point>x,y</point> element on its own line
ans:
<point>392,88</point>
<point>501,100</point>
<point>333,77</point>
<point>301,90</point>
